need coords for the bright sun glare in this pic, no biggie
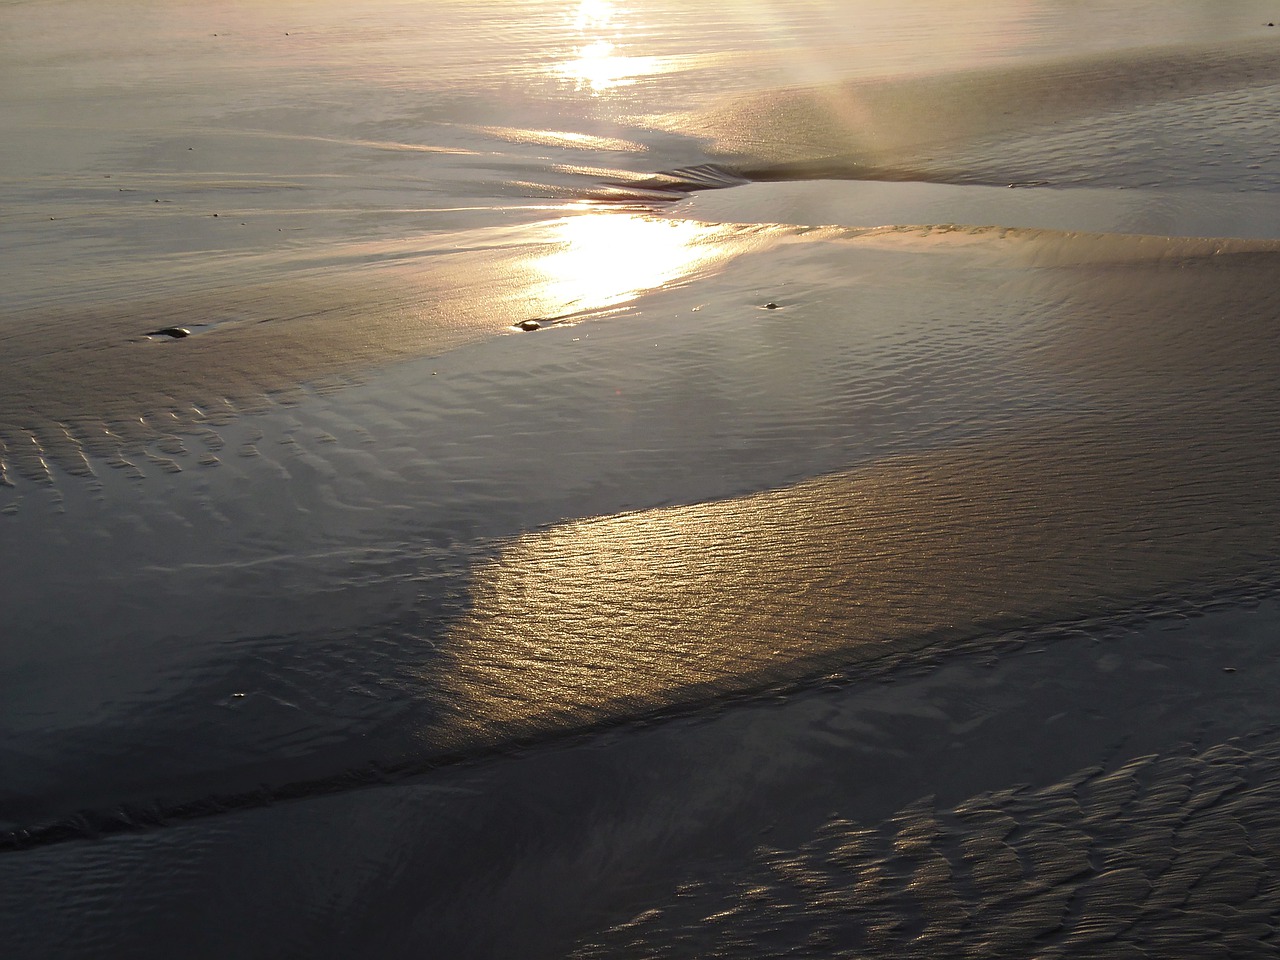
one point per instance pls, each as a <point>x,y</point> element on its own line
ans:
<point>594,13</point>
<point>596,65</point>
<point>602,259</point>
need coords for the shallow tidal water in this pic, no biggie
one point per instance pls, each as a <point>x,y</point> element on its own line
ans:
<point>867,547</point>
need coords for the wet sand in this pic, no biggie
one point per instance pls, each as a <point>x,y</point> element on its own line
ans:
<point>728,707</point>
<point>850,493</point>
<point>301,244</point>
<point>842,566</point>
<point>1084,791</point>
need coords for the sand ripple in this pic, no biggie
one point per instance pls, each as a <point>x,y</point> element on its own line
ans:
<point>1164,856</point>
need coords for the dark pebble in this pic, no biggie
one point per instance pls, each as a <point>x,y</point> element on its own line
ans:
<point>771,305</point>
<point>177,333</point>
<point>530,325</point>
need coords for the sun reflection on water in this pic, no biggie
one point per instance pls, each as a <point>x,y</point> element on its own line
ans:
<point>594,13</point>
<point>605,258</point>
<point>596,63</point>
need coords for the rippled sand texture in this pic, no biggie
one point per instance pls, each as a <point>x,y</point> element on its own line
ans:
<point>782,811</point>
<point>101,385</point>
<point>1163,857</point>
<point>356,586</point>
<point>1070,441</point>
<point>1138,477</point>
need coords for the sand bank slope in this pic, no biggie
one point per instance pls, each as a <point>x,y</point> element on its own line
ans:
<point>918,127</point>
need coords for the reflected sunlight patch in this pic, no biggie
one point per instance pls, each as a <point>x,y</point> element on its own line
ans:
<point>593,13</point>
<point>597,68</point>
<point>595,64</point>
<point>602,259</point>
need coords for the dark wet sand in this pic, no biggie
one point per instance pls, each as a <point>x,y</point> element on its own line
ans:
<point>1090,791</point>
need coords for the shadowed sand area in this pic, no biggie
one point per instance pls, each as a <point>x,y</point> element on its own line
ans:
<point>1093,793</point>
<point>1162,856</point>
